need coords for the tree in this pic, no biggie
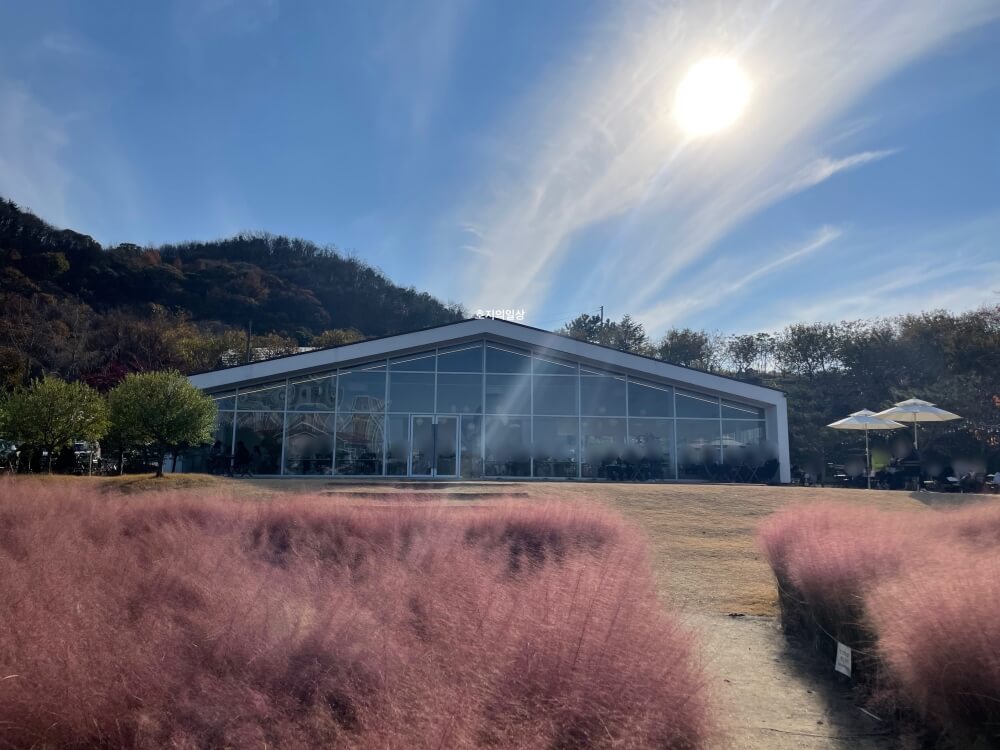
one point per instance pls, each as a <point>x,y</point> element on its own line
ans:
<point>336,337</point>
<point>50,414</point>
<point>684,346</point>
<point>161,410</point>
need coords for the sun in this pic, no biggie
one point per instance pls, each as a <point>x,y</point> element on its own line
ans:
<point>712,96</point>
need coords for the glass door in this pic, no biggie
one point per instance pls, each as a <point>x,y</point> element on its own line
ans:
<point>433,446</point>
<point>422,458</point>
<point>447,447</point>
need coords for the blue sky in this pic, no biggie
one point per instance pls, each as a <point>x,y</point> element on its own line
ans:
<point>523,155</point>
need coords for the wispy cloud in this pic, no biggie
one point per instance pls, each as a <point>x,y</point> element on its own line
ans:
<point>595,143</point>
<point>718,282</point>
<point>824,168</point>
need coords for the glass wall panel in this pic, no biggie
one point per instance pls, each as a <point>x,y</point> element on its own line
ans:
<point>745,451</point>
<point>740,411</point>
<point>506,360</point>
<point>508,394</point>
<point>465,358</point>
<point>697,406</point>
<point>266,397</point>
<point>650,453</point>
<point>698,442</point>
<point>555,394</point>
<point>361,389</point>
<point>603,442</point>
<point>459,394</point>
<point>648,400</point>
<point>224,431</point>
<point>546,366</point>
<point>309,444</point>
<point>359,443</point>
<point>555,446</point>
<point>411,392</point>
<point>422,362</point>
<point>224,401</point>
<point>260,433</point>
<point>471,446</point>
<point>398,445</point>
<point>313,393</point>
<point>602,396</point>
<point>217,458</point>
<point>508,446</point>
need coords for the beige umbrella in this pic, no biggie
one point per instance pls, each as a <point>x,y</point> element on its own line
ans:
<point>866,420</point>
<point>915,410</point>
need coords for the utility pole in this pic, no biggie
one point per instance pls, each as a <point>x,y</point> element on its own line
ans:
<point>249,337</point>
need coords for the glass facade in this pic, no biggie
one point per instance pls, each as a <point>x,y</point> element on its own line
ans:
<point>484,409</point>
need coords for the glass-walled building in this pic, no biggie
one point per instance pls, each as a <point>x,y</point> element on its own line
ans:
<point>488,398</point>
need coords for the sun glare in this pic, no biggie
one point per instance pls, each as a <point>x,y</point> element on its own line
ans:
<point>711,97</point>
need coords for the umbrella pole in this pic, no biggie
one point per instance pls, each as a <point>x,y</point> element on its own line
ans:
<point>868,461</point>
<point>915,446</point>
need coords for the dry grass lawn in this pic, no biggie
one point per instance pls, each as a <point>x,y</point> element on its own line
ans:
<point>702,536</point>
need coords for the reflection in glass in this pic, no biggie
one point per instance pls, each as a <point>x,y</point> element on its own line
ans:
<point>507,446</point>
<point>555,394</point>
<point>698,448</point>
<point>267,397</point>
<point>602,396</point>
<point>651,448</point>
<point>505,360</point>
<point>361,390</point>
<point>398,445</point>
<point>224,432</point>
<point>648,400</point>
<point>603,441</point>
<point>421,446</point>
<point>224,401</point>
<point>411,391</point>
<point>359,443</point>
<point>459,394</point>
<point>745,450</point>
<point>260,432</point>
<point>555,446</point>
<point>423,362</point>
<point>508,394</point>
<point>446,446</point>
<point>471,446</point>
<point>546,366</point>
<point>309,444</point>
<point>465,358</point>
<point>313,393</point>
<point>697,406</point>
<point>731,410</point>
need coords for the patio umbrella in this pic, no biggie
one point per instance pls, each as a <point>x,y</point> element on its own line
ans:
<point>915,410</point>
<point>865,420</point>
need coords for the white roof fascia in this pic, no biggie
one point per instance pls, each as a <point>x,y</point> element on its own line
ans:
<point>511,332</point>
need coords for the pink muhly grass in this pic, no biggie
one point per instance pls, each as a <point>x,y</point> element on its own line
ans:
<point>918,591</point>
<point>190,620</point>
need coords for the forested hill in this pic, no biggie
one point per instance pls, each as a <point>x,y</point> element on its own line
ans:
<point>286,286</point>
<point>80,310</point>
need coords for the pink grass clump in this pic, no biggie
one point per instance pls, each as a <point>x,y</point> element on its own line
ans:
<point>939,633</point>
<point>918,592</point>
<point>188,620</point>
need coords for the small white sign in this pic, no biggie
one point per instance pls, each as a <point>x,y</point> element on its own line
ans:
<point>843,664</point>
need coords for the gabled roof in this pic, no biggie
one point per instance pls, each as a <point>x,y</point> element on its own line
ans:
<point>502,331</point>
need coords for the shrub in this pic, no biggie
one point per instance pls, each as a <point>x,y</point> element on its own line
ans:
<point>193,621</point>
<point>917,592</point>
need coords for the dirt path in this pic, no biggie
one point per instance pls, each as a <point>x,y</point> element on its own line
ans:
<point>774,696</point>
